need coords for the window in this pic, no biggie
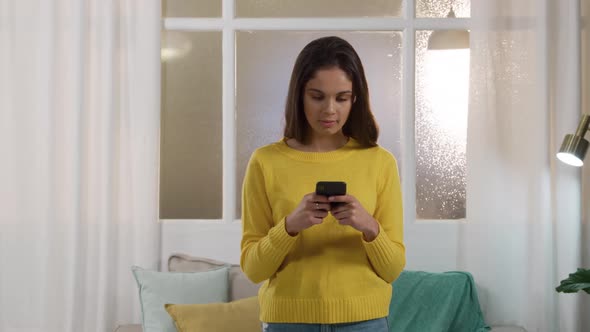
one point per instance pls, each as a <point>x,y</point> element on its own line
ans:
<point>225,72</point>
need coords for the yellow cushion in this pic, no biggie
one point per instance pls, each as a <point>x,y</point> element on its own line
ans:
<point>240,315</point>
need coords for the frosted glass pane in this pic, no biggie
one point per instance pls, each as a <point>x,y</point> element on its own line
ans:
<point>190,156</point>
<point>314,8</point>
<point>265,60</point>
<point>441,8</point>
<point>442,87</point>
<point>191,8</point>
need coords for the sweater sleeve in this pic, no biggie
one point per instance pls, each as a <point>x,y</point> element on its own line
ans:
<point>387,252</point>
<point>264,245</point>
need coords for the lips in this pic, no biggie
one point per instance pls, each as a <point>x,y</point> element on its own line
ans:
<point>328,123</point>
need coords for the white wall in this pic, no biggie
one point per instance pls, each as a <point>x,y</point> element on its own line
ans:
<point>431,246</point>
<point>211,239</point>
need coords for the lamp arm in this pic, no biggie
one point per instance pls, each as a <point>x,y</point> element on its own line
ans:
<point>583,126</point>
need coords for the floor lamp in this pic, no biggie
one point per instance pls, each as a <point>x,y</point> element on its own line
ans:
<point>572,152</point>
<point>574,148</point>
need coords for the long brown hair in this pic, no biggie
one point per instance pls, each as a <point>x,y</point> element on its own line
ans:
<point>325,53</point>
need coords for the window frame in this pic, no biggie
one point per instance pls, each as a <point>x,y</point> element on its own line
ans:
<point>228,24</point>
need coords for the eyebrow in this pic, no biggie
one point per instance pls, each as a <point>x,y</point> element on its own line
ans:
<point>322,92</point>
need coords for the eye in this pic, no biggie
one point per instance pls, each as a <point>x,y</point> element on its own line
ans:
<point>317,97</point>
<point>343,98</point>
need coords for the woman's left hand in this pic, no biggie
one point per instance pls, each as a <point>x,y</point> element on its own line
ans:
<point>350,212</point>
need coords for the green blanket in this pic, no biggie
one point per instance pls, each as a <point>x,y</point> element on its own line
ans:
<point>435,302</point>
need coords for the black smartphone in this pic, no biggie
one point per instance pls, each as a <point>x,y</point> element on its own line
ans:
<point>331,188</point>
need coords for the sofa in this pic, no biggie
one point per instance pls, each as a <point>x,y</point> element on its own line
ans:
<point>422,301</point>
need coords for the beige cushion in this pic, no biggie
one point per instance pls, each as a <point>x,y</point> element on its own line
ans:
<point>240,286</point>
<point>129,328</point>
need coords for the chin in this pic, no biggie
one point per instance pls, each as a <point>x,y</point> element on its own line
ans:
<point>328,131</point>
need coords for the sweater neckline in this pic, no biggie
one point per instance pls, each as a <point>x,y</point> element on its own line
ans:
<point>337,154</point>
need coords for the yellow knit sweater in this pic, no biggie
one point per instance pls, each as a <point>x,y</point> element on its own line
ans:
<point>327,273</point>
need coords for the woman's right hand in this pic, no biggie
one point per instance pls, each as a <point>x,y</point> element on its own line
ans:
<point>311,211</point>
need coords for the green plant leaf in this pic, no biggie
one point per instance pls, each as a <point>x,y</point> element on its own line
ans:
<point>580,280</point>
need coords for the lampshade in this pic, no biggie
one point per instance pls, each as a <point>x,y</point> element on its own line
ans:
<point>448,39</point>
<point>574,147</point>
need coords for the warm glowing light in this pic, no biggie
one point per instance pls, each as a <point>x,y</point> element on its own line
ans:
<point>446,89</point>
<point>570,159</point>
<point>174,46</point>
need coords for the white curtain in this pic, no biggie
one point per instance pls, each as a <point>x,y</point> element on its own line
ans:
<point>79,133</point>
<point>585,307</point>
<point>524,230</point>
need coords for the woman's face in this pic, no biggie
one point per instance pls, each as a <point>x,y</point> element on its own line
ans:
<point>327,101</point>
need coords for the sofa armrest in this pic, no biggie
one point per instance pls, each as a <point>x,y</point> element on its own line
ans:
<point>507,329</point>
<point>137,328</point>
<point>129,328</point>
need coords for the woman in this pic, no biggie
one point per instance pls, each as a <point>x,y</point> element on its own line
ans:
<point>324,264</point>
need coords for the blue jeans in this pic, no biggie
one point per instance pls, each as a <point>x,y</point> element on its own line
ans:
<point>373,325</point>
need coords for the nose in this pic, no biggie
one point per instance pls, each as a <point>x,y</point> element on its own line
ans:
<point>331,107</point>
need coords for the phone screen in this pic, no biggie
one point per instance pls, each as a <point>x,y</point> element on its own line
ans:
<point>330,188</point>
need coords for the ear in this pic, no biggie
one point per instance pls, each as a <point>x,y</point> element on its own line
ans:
<point>353,99</point>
